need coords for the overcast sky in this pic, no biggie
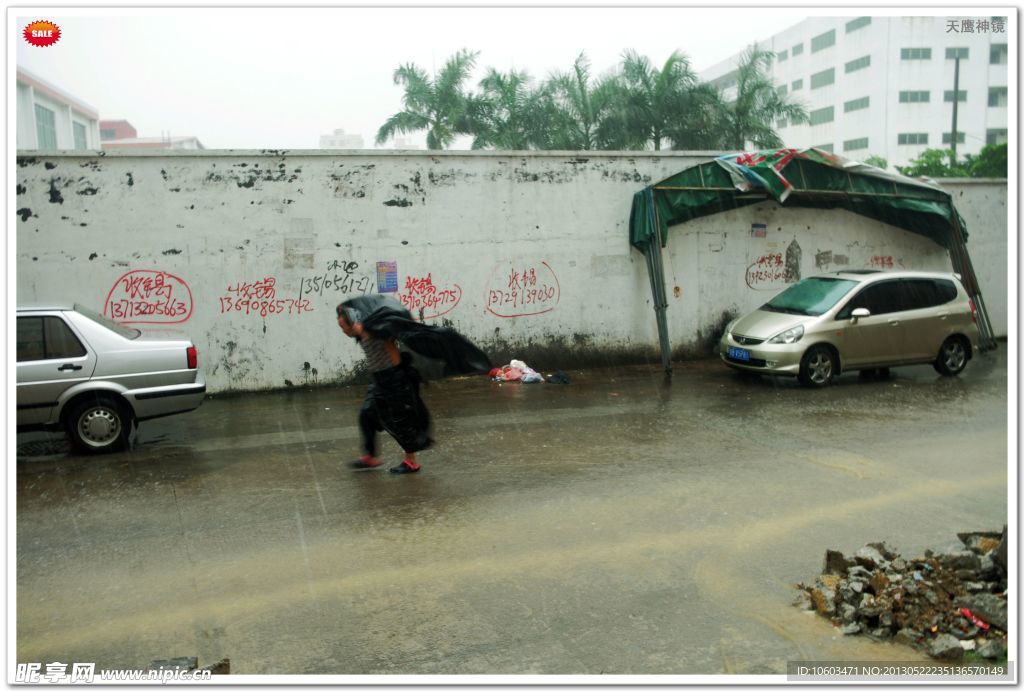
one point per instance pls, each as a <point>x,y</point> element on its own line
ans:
<point>250,78</point>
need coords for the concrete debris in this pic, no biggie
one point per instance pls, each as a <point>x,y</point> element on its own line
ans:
<point>949,602</point>
<point>946,647</point>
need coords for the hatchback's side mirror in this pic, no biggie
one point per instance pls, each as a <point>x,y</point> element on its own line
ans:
<point>859,313</point>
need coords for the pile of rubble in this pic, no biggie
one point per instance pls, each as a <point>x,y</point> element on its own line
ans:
<point>946,603</point>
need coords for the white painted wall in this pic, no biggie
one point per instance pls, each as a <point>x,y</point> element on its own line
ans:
<point>193,233</point>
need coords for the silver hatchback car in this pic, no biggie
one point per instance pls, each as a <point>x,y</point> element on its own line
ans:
<point>856,320</point>
<point>96,378</point>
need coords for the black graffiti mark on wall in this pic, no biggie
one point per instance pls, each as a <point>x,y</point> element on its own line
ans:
<point>25,213</point>
<point>793,256</point>
<point>21,189</point>
<point>26,161</point>
<point>93,256</point>
<point>91,191</point>
<point>55,196</point>
<point>50,166</point>
<point>166,252</point>
<point>131,180</point>
<point>398,202</point>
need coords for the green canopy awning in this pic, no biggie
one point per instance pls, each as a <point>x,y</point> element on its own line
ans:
<point>808,178</point>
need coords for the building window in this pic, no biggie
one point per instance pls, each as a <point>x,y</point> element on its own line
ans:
<point>822,115</point>
<point>797,84</point>
<point>46,128</point>
<point>80,140</point>
<point>797,49</point>
<point>855,144</point>
<point>915,96</point>
<point>995,137</point>
<point>947,137</point>
<point>825,40</point>
<point>783,55</point>
<point>108,134</point>
<point>954,53</point>
<point>856,104</point>
<point>997,97</point>
<point>858,23</point>
<point>997,54</point>
<point>915,53</point>
<point>912,138</point>
<point>961,96</point>
<point>782,90</point>
<point>858,64</point>
<point>823,147</point>
<point>823,78</point>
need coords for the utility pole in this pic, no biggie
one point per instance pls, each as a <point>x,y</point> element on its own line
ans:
<point>956,102</point>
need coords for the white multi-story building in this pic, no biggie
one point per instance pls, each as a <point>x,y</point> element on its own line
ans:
<point>340,140</point>
<point>884,85</point>
<point>49,118</point>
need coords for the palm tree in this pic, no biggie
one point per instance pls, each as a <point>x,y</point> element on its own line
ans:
<point>438,105</point>
<point>758,105</point>
<point>503,116</point>
<point>576,110</point>
<point>655,103</point>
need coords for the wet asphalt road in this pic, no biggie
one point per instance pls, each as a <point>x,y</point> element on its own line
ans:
<point>616,525</point>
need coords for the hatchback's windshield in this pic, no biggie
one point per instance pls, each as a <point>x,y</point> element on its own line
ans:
<point>811,296</point>
<point>109,323</point>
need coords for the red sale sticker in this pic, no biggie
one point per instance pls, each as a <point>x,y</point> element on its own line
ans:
<point>42,33</point>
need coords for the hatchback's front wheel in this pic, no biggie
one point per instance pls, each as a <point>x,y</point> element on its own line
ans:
<point>818,366</point>
<point>98,424</point>
<point>952,357</point>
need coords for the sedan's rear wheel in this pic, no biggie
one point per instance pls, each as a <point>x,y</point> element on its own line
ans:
<point>952,357</point>
<point>818,366</point>
<point>98,424</point>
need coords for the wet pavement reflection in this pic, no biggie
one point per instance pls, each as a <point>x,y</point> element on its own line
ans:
<point>614,525</point>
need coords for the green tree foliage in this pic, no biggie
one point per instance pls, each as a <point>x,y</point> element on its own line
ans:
<point>503,117</point>
<point>638,106</point>
<point>757,106</point>
<point>578,111</point>
<point>990,162</point>
<point>654,103</point>
<point>877,162</point>
<point>439,105</point>
<point>933,163</point>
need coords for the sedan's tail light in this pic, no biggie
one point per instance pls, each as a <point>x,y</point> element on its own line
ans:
<point>974,312</point>
<point>193,357</point>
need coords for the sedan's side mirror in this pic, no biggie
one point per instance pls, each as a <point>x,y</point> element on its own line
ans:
<point>859,313</point>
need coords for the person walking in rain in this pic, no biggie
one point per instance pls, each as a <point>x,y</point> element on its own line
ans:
<point>393,403</point>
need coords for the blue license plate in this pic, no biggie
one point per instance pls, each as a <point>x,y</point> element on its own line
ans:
<point>739,354</point>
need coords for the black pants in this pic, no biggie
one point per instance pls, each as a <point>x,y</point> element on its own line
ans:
<point>393,405</point>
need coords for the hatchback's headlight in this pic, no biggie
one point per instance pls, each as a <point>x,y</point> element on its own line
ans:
<point>789,336</point>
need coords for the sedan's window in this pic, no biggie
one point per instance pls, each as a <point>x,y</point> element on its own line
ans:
<point>60,341</point>
<point>812,296</point>
<point>30,339</point>
<point>46,338</point>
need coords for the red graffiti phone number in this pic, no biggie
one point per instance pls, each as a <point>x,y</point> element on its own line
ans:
<point>129,309</point>
<point>516,298</point>
<point>265,307</point>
